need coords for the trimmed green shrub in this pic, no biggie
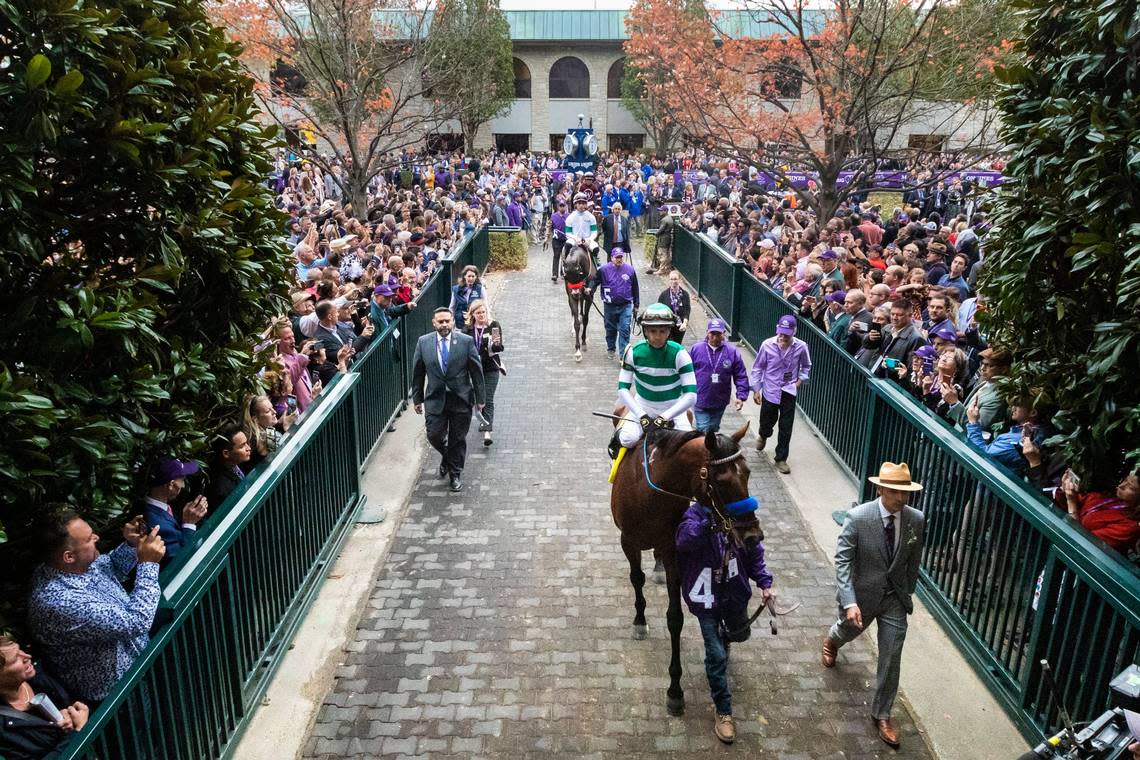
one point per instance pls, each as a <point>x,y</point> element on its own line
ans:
<point>509,250</point>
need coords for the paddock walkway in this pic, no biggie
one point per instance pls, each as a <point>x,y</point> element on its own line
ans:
<point>499,625</point>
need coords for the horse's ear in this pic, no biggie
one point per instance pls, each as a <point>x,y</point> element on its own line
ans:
<point>738,436</point>
<point>710,440</point>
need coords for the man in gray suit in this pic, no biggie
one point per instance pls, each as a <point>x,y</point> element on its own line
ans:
<point>876,569</point>
<point>449,362</point>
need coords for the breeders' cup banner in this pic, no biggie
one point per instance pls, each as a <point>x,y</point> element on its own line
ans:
<point>896,180</point>
<point>893,180</point>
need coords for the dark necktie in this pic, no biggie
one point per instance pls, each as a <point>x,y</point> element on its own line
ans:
<point>443,354</point>
<point>889,532</point>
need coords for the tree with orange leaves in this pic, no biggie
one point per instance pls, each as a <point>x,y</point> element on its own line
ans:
<point>357,75</point>
<point>793,86</point>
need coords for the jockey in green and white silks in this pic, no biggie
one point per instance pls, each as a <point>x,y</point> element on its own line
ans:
<point>657,383</point>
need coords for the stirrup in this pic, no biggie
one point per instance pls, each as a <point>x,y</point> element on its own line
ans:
<point>617,463</point>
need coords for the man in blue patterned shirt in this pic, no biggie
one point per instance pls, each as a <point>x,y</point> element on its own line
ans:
<point>90,628</point>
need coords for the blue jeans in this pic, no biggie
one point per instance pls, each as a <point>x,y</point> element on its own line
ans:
<point>707,419</point>
<point>716,665</point>
<point>618,319</point>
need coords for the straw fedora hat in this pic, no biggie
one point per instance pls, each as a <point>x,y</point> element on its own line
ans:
<point>895,477</point>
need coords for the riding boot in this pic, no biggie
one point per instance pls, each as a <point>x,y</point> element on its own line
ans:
<point>614,445</point>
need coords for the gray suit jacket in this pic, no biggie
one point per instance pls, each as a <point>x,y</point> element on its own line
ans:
<point>464,377</point>
<point>861,571</point>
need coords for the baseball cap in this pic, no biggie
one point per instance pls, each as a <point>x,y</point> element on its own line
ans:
<point>946,332</point>
<point>786,325</point>
<point>836,296</point>
<point>169,468</point>
<point>829,255</point>
<point>617,252</point>
<point>383,289</point>
<point>716,325</point>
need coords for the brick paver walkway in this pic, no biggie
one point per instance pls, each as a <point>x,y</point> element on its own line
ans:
<point>500,624</point>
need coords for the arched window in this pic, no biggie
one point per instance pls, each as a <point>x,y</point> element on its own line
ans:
<point>613,79</point>
<point>522,79</point>
<point>569,78</point>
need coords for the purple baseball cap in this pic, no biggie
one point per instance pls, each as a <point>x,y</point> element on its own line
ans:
<point>829,255</point>
<point>169,468</point>
<point>925,352</point>
<point>786,325</point>
<point>946,332</point>
<point>617,252</point>
<point>716,325</point>
<point>383,290</point>
<point>836,296</point>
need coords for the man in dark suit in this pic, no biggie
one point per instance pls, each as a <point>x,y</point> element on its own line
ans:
<point>876,569</point>
<point>168,478</point>
<point>615,230</point>
<point>449,363</point>
<point>334,336</point>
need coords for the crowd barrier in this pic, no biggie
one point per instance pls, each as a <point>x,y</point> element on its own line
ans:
<point>1008,577</point>
<point>230,608</point>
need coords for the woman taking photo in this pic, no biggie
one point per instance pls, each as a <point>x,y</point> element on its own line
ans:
<point>488,337</point>
<point>677,299</point>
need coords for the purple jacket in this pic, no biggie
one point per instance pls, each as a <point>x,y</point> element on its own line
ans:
<point>716,370</point>
<point>700,557</point>
<point>515,214</point>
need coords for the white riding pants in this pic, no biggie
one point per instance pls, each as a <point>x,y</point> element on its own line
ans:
<point>629,431</point>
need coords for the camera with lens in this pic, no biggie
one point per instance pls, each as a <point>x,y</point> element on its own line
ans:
<point>1106,737</point>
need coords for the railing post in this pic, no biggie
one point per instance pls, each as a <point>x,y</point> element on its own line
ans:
<point>735,300</point>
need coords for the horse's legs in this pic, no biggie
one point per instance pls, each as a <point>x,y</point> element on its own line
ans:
<point>675,696</point>
<point>658,570</point>
<point>587,302</point>
<point>637,578</point>
<point>574,313</point>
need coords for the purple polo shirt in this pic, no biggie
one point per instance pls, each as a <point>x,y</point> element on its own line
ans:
<point>717,369</point>
<point>558,225</point>
<point>619,284</point>
<point>776,371</point>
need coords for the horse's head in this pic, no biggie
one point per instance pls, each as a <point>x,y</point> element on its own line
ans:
<point>722,480</point>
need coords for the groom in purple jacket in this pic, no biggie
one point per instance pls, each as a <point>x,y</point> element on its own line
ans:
<point>715,575</point>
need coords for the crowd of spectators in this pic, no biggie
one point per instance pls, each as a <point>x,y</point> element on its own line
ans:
<point>896,289</point>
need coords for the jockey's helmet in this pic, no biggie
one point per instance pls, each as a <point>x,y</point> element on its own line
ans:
<point>658,315</point>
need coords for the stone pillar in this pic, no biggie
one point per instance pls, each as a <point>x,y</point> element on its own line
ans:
<point>539,99</point>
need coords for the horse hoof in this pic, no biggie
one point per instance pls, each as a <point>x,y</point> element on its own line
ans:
<point>675,706</point>
<point>577,356</point>
<point>640,632</point>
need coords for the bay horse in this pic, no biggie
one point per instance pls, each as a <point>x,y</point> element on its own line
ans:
<point>578,272</point>
<point>654,485</point>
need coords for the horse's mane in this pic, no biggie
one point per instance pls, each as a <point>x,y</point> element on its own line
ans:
<point>669,442</point>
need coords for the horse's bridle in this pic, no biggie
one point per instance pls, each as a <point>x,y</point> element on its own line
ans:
<point>710,487</point>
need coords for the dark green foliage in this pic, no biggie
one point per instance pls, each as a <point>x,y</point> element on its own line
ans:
<point>1064,280</point>
<point>141,257</point>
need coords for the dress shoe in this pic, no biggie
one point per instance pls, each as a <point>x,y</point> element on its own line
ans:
<point>782,468</point>
<point>456,484</point>
<point>443,469</point>
<point>761,442</point>
<point>487,440</point>
<point>830,652</point>
<point>724,728</point>
<point>888,731</point>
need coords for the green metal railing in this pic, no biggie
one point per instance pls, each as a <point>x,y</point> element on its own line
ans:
<point>230,607</point>
<point>1009,578</point>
